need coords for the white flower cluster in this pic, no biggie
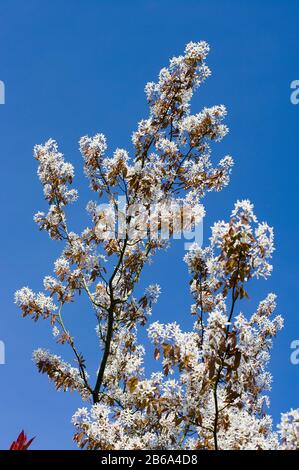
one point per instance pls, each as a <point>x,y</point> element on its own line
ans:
<point>34,304</point>
<point>205,124</point>
<point>91,147</point>
<point>259,239</point>
<point>289,430</point>
<point>54,173</point>
<point>153,291</point>
<point>63,374</point>
<point>93,150</point>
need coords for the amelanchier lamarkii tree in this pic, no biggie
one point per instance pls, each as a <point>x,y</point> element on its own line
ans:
<point>211,390</point>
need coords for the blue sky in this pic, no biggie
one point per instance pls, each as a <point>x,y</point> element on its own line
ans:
<point>77,67</point>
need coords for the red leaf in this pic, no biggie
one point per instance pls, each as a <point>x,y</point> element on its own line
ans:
<point>21,443</point>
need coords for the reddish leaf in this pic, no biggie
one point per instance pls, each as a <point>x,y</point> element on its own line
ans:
<point>21,443</point>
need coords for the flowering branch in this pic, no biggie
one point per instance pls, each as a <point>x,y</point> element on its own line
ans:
<point>218,398</point>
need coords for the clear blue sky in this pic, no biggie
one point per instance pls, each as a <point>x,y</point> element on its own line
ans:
<point>77,67</point>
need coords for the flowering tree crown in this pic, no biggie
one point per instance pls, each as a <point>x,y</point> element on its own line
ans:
<point>210,392</point>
